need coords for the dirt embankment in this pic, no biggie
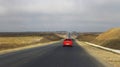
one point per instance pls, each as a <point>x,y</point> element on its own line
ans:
<point>110,38</point>
<point>86,37</point>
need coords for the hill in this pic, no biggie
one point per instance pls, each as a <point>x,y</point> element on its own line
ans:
<point>87,36</point>
<point>110,34</point>
<point>110,38</point>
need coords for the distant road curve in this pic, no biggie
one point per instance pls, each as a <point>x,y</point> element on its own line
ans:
<point>53,55</point>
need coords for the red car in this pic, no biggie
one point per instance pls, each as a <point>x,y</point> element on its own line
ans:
<point>68,42</point>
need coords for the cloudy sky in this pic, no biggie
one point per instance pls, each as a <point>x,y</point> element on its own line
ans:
<point>59,15</point>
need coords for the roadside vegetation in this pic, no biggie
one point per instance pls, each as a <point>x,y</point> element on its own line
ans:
<point>14,40</point>
<point>87,37</point>
<point>110,38</point>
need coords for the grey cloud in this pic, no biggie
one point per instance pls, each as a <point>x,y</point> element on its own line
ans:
<point>69,15</point>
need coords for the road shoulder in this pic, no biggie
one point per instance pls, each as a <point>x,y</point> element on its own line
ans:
<point>109,59</point>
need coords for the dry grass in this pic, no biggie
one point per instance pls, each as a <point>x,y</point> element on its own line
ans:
<point>87,37</point>
<point>51,37</point>
<point>112,43</point>
<point>109,38</point>
<point>13,41</point>
<point>110,34</point>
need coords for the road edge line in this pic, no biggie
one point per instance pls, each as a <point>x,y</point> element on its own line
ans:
<point>106,64</point>
<point>26,47</point>
<point>105,48</point>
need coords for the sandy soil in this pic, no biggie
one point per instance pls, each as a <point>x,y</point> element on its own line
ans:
<point>106,57</point>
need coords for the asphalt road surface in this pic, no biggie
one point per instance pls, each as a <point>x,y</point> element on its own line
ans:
<point>53,55</point>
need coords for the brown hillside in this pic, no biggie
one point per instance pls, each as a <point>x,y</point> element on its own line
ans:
<point>110,38</point>
<point>87,37</point>
<point>110,34</point>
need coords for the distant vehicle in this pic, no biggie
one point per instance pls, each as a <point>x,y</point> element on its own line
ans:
<point>68,42</point>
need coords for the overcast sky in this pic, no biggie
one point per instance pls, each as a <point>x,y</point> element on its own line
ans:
<point>59,15</point>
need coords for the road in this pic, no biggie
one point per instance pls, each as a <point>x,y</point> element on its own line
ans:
<point>53,55</point>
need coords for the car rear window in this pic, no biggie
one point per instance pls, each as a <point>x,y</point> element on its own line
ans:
<point>68,40</point>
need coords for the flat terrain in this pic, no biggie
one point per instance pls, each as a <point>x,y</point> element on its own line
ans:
<point>15,40</point>
<point>53,55</point>
<point>112,59</point>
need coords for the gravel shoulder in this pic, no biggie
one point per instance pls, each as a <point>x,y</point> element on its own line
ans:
<point>108,58</point>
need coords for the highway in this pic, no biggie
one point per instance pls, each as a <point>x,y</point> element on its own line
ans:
<point>53,55</point>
